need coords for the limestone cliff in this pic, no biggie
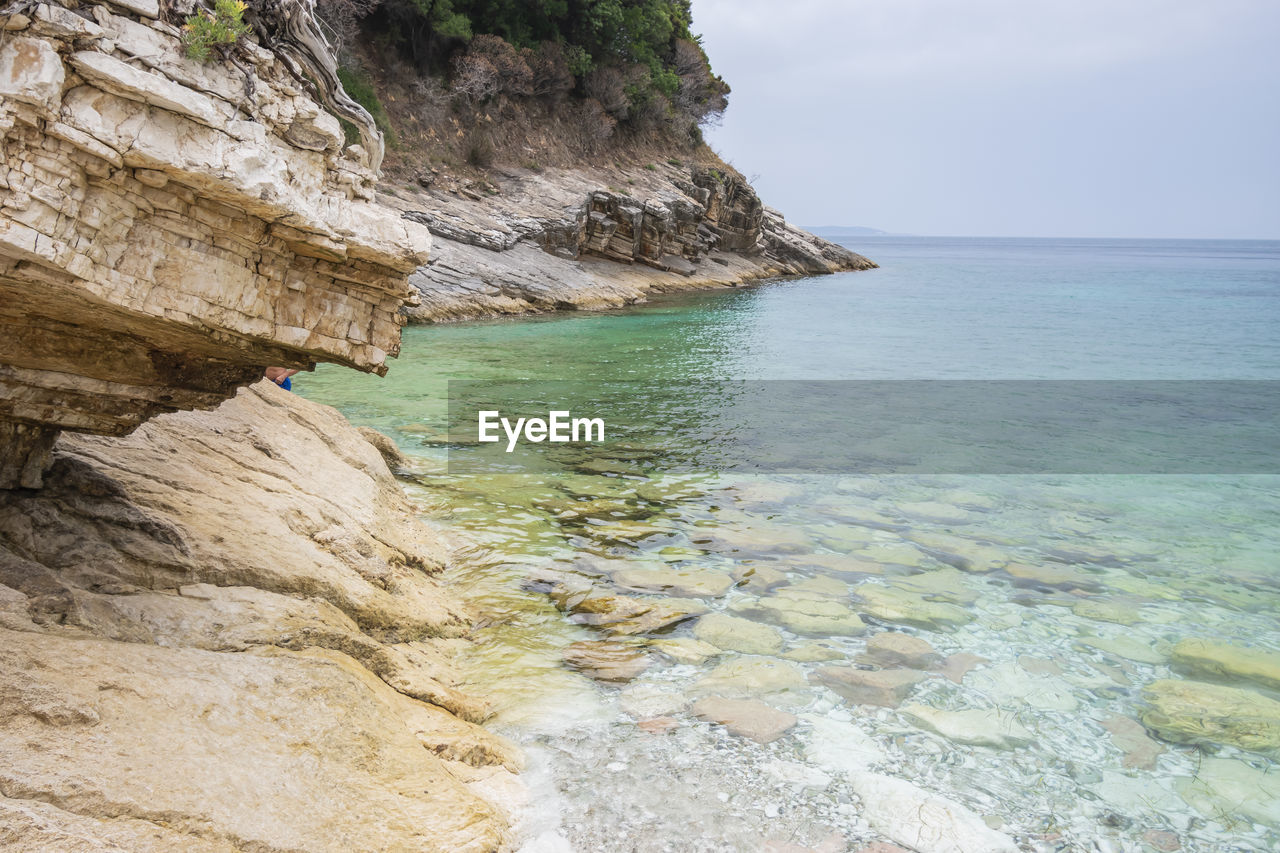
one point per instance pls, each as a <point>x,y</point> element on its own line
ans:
<point>524,240</point>
<point>168,228</point>
<point>222,633</point>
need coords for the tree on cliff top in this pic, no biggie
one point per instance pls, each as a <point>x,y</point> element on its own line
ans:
<point>637,59</point>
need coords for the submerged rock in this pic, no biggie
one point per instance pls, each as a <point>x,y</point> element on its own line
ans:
<point>894,649</point>
<point>977,727</point>
<point>898,605</point>
<point>753,541</point>
<point>747,718</point>
<point>738,635</point>
<point>758,577</point>
<point>923,821</point>
<point>621,614</point>
<point>1051,576</point>
<point>1128,647</point>
<point>686,649</point>
<point>1106,611</point>
<point>884,687</point>
<point>813,608</point>
<point>967,555</point>
<point>1197,712</point>
<point>814,652</point>
<point>606,661</point>
<point>840,747</point>
<point>1010,686</point>
<point>1140,751</point>
<point>1229,788</point>
<point>942,584</point>
<point>1221,660</point>
<point>698,583</point>
<point>957,666</point>
<point>753,677</point>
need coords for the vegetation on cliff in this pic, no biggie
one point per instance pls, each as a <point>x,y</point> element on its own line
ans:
<point>473,82</point>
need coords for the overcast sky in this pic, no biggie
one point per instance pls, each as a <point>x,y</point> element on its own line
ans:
<point>1072,118</point>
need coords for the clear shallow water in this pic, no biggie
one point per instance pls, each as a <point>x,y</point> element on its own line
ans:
<point>1074,590</point>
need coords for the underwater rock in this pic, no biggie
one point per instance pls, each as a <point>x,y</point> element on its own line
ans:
<point>936,511</point>
<point>620,614</point>
<point>842,565</point>
<point>1106,611</point>
<point>1051,577</point>
<point>814,652</point>
<point>976,727</point>
<point>1010,686</point>
<point>644,701</point>
<point>754,677</point>
<point>813,607</point>
<point>1222,660</point>
<point>884,687</point>
<point>895,649</point>
<point>944,584</point>
<point>957,666</point>
<point>892,604</point>
<point>606,661</point>
<point>738,635</point>
<point>747,718</point>
<point>967,555</point>
<point>1226,786</point>
<point>1128,647</point>
<point>758,577</point>
<point>754,541</point>
<point>699,583</point>
<point>1140,751</point>
<point>839,747</point>
<point>923,821</point>
<point>686,650</point>
<point>1198,712</point>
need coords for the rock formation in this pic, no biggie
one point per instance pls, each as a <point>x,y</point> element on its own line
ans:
<point>168,228</point>
<point>222,633</point>
<point>541,240</point>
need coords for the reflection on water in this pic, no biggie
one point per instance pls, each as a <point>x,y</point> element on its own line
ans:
<point>701,661</point>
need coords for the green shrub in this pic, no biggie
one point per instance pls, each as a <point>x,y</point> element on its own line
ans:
<point>205,30</point>
<point>360,88</point>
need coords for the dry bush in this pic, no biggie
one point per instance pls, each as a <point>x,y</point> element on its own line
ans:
<point>702,95</point>
<point>551,77</point>
<point>491,66</point>
<point>597,125</point>
<point>608,87</point>
<point>341,20</point>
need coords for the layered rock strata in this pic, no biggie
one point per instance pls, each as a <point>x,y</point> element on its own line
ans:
<point>543,240</point>
<point>168,228</point>
<point>222,633</point>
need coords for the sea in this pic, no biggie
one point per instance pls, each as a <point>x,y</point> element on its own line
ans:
<point>783,606</point>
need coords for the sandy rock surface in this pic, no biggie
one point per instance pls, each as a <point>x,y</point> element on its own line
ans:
<point>222,633</point>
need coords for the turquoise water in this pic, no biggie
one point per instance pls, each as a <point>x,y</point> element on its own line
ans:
<point>1078,593</point>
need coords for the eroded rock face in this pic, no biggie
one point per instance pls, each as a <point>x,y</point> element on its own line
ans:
<point>168,228</point>
<point>227,623</point>
<point>555,239</point>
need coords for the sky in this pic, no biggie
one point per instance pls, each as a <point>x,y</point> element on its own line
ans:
<point>1037,118</point>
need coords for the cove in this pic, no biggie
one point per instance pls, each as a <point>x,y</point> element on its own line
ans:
<point>701,660</point>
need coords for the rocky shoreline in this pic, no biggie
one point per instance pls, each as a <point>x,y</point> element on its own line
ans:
<point>222,633</point>
<point>525,241</point>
